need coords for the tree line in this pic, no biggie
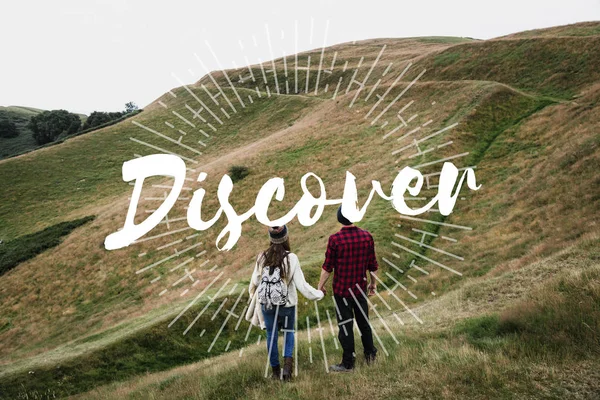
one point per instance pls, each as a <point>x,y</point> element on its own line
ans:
<point>49,126</point>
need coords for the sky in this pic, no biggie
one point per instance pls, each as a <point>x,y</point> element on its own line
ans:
<point>83,55</point>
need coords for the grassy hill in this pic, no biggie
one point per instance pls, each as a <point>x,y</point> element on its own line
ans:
<point>526,107</point>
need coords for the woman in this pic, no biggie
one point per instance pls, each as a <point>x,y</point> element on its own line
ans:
<point>276,277</point>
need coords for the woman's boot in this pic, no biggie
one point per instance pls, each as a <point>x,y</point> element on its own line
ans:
<point>288,363</point>
<point>276,373</point>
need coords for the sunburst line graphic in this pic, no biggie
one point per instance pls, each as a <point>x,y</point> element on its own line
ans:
<point>270,78</point>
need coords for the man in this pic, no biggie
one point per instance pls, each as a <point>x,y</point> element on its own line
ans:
<point>350,254</point>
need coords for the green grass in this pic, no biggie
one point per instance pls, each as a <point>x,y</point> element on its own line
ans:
<point>155,348</point>
<point>557,67</point>
<point>583,29</point>
<point>23,248</point>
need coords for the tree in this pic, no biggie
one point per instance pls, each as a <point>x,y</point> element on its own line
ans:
<point>98,118</point>
<point>8,129</point>
<point>131,107</point>
<point>49,125</point>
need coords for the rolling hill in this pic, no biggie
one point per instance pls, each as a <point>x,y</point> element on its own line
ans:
<point>513,312</point>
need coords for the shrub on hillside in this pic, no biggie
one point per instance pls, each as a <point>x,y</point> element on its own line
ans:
<point>98,118</point>
<point>21,249</point>
<point>49,125</point>
<point>238,172</point>
<point>8,129</point>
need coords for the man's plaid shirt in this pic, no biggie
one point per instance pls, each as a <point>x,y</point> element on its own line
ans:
<point>350,254</point>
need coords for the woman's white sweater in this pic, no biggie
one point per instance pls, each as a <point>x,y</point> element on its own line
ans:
<point>294,278</point>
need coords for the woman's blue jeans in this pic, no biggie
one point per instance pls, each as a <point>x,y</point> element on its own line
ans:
<point>279,318</point>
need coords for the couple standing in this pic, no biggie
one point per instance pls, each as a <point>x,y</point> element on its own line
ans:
<point>277,276</point>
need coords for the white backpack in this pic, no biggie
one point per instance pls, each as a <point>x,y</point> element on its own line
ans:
<point>272,290</point>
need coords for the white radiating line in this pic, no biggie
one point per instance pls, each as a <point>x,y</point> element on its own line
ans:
<point>388,90</point>
<point>219,309</point>
<point>332,331</point>
<point>225,74</point>
<point>186,262</point>
<point>383,301</point>
<point>307,74</point>
<point>370,303</point>
<point>375,86</point>
<point>262,70</point>
<point>387,69</point>
<point>368,322</point>
<point>296,346</point>
<point>194,112</point>
<point>213,98</point>
<point>436,222</point>
<point>352,79</point>
<point>170,187</point>
<point>166,137</point>
<point>163,150</point>
<point>391,264</point>
<point>162,235</point>
<point>411,294</point>
<point>413,265</point>
<point>212,299</point>
<point>248,332</point>
<point>426,258</point>
<point>429,247</point>
<point>362,85</point>
<point>322,341</point>
<point>396,281</point>
<point>177,254</point>
<point>309,340</point>
<point>198,99</point>
<point>215,83</point>
<point>436,133</point>
<point>391,293</point>
<point>181,117</point>
<point>237,325</point>
<point>225,322</point>
<point>398,97</point>
<point>190,304</point>
<point>296,60</point>
<point>169,244</point>
<point>337,88</point>
<point>441,160</point>
<point>272,59</point>
<point>273,337</point>
<point>321,62</point>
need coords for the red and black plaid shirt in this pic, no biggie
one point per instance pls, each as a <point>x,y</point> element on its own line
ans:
<point>350,253</point>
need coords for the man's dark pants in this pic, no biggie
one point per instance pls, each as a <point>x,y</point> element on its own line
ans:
<point>347,310</point>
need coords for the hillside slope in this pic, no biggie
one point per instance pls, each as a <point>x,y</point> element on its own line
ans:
<point>526,112</point>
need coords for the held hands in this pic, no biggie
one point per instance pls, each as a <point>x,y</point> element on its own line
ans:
<point>322,289</point>
<point>371,289</point>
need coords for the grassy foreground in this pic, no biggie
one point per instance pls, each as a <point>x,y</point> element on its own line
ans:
<point>543,344</point>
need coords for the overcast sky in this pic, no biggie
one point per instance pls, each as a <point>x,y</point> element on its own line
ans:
<point>83,55</point>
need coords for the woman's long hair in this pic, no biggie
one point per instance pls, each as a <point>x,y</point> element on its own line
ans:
<point>274,257</point>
